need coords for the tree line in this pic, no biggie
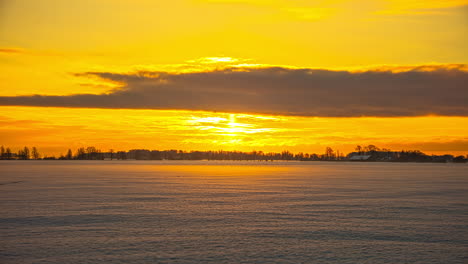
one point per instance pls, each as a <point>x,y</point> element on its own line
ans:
<point>22,154</point>
<point>93,153</point>
<point>362,153</point>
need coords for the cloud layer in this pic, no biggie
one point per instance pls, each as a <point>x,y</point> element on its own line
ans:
<point>277,90</point>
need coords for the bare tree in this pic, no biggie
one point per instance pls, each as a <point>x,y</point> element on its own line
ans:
<point>358,149</point>
<point>26,153</point>
<point>69,155</point>
<point>8,154</point>
<point>329,154</point>
<point>372,148</point>
<point>35,154</point>
<point>80,154</point>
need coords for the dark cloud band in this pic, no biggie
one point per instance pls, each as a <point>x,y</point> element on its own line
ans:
<point>279,91</point>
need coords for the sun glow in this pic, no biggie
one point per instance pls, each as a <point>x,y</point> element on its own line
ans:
<point>227,129</point>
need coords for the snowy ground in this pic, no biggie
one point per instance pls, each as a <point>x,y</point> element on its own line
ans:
<point>232,212</point>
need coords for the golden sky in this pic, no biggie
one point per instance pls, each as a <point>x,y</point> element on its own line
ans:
<point>406,61</point>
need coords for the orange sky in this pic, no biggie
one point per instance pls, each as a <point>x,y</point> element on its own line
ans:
<point>47,46</point>
<point>53,130</point>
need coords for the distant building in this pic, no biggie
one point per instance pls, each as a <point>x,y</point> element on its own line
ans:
<point>442,158</point>
<point>357,157</point>
<point>372,156</point>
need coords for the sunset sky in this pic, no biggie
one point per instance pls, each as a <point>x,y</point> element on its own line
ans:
<point>266,75</point>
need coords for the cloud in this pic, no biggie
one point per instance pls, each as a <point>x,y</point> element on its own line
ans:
<point>279,91</point>
<point>9,122</point>
<point>11,50</point>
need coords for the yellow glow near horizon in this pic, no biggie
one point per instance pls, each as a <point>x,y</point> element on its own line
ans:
<point>54,130</point>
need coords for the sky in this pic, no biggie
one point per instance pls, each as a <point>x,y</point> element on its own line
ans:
<point>268,75</point>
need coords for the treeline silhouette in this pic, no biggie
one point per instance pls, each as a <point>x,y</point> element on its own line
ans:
<point>93,153</point>
<point>22,154</point>
<point>362,153</point>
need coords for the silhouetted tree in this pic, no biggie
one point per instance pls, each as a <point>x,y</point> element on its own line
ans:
<point>69,155</point>
<point>286,155</point>
<point>35,154</point>
<point>26,153</point>
<point>329,154</point>
<point>371,148</point>
<point>80,154</point>
<point>19,154</point>
<point>8,154</point>
<point>358,149</point>
<point>299,156</point>
<point>375,154</point>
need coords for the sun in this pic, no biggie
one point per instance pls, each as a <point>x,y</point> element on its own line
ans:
<point>228,129</point>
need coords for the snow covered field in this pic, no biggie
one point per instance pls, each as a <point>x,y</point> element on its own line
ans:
<point>232,212</point>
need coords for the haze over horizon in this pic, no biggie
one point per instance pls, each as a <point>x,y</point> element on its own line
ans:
<point>234,75</point>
